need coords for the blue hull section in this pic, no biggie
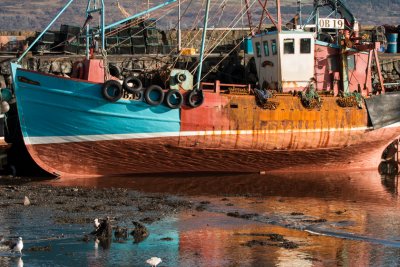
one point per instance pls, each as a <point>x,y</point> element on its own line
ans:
<point>51,106</point>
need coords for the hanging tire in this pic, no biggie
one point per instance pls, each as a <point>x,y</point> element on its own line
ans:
<point>180,77</point>
<point>154,95</point>
<point>114,70</point>
<point>135,87</point>
<point>173,99</point>
<point>112,90</point>
<point>195,98</point>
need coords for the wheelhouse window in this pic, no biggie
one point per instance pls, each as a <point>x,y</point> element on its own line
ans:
<point>273,47</point>
<point>266,48</point>
<point>258,49</point>
<point>305,46</point>
<point>288,46</point>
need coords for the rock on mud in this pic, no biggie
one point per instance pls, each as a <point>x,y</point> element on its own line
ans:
<point>140,232</point>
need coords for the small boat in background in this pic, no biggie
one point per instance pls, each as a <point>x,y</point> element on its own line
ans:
<point>314,109</point>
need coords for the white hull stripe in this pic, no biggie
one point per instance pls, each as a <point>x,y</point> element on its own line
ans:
<point>92,138</point>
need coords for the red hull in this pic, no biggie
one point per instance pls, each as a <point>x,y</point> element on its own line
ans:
<point>184,154</point>
<point>227,133</point>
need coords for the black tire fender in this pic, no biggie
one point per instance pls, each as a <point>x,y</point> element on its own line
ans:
<point>173,95</point>
<point>136,85</point>
<point>114,70</point>
<point>116,93</point>
<point>195,98</point>
<point>147,95</point>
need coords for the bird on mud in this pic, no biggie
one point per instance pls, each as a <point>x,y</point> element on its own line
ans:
<point>18,246</point>
<point>154,261</point>
<point>104,229</point>
<point>96,224</point>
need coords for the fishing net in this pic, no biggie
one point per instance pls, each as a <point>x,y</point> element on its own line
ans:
<point>263,99</point>
<point>349,100</point>
<point>310,98</point>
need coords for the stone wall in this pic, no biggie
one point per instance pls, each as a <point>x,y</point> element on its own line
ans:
<point>390,67</point>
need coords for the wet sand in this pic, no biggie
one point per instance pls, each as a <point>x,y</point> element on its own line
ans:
<point>336,219</point>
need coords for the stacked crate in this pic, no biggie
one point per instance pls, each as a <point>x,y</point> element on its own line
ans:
<point>138,41</point>
<point>124,40</point>
<point>151,36</point>
<point>45,42</point>
<point>136,38</point>
<point>68,33</point>
<point>112,44</point>
<point>170,45</point>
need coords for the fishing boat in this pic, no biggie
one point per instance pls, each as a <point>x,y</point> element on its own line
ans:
<point>314,109</point>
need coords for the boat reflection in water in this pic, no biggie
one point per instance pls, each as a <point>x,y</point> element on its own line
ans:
<point>352,185</point>
<point>354,217</point>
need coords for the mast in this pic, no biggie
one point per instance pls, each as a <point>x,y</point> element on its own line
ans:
<point>203,39</point>
<point>262,14</point>
<point>101,11</point>
<point>299,11</point>
<point>88,28</point>
<point>103,22</point>
<point>336,15</point>
<point>316,18</point>
<point>179,27</point>
<point>249,16</point>
<point>278,9</point>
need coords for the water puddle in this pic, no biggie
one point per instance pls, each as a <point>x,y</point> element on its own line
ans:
<point>331,219</point>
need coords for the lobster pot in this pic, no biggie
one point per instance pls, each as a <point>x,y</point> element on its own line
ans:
<point>392,43</point>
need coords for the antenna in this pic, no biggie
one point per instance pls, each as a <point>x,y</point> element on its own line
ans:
<point>299,9</point>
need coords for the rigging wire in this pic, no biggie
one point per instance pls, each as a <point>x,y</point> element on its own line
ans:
<point>219,62</point>
<point>226,32</point>
<point>199,31</point>
<point>190,41</point>
<point>238,20</point>
<point>219,15</point>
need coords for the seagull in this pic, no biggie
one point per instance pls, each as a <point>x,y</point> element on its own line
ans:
<point>96,224</point>
<point>154,261</point>
<point>17,246</point>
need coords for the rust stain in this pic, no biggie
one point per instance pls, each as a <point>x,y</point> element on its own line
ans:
<point>290,127</point>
